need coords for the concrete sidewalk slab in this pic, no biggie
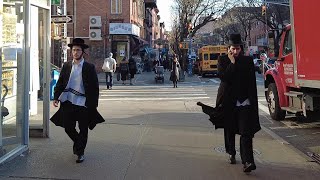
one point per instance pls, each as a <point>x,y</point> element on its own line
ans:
<point>148,141</point>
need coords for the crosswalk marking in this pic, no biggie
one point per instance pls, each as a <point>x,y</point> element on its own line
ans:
<point>147,93</point>
<point>153,99</point>
<point>217,81</point>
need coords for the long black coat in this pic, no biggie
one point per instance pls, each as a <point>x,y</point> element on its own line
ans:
<point>226,92</point>
<point>91,88</point>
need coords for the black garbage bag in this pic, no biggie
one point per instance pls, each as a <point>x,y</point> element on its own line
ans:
<point>215,114</point>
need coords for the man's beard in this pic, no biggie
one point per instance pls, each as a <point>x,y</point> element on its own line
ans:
<point>80,57</point>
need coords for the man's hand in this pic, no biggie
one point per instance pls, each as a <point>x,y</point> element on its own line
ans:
<point>231,57</point>
<point>56,103</point>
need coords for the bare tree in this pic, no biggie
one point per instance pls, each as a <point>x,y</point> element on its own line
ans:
<point>198,13</point>
<point>277,16</point>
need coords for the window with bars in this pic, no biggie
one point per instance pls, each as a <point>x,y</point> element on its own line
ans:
<point>116,6</point>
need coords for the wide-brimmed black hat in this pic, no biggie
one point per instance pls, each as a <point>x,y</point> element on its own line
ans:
<point>235,39</point>
<point>78,42</point>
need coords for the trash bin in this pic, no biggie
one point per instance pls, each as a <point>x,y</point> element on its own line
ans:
<point>54,79</point>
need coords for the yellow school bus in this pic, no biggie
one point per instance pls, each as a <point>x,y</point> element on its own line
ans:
<point>208,56</point>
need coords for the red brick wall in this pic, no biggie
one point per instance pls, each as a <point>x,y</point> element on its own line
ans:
<point>84,9</point>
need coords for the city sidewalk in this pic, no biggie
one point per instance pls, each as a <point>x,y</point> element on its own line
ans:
<point>155,140</point>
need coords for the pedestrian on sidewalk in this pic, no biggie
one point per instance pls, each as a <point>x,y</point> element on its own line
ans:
<point>109,67</point>
<point>237,94</point>
<point>124,70</point>
<point>78,91</point>
<point>174,76</point>
<point>132,69</point>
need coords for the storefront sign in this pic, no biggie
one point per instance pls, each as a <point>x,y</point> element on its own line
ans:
<point>124,28</point>
<point>120,38</point>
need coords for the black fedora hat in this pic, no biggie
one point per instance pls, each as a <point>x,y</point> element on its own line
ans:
<point>78,42</point>
<point>235,39</point>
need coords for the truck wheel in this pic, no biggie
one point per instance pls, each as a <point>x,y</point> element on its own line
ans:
<point>275,111</point>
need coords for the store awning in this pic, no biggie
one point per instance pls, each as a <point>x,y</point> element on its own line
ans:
<point>139,40</point>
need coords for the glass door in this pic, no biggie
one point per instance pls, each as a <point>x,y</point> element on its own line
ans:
<point>39,85</point>
<point>12,75</point>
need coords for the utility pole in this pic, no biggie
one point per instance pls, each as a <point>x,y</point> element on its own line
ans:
<point>190,59</point>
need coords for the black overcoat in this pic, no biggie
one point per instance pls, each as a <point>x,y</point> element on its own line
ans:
<point>91,88</point>
<point>226,93</point>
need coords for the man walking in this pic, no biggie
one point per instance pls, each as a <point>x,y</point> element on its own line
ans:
<point>78,91</point>
<point>109,67</point>
<point>237,94</point>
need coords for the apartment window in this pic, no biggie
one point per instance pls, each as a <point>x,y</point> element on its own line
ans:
<point>116,6</point>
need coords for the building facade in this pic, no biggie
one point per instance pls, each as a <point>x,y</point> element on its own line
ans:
<point>25,74</point>
<point>117,26</point>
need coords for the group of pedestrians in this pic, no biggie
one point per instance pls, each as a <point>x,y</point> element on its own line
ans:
<point>77,91</point>
<point>127,70</point>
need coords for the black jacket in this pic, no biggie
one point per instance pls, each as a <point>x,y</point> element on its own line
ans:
<point>91,87</point>
<point>227,92</point>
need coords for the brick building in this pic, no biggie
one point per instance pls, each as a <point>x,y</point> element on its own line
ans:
<point>122,27</point>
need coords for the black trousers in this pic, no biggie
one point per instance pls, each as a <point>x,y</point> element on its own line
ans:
<point>246,148</point>
<point>109,82</point>
<point>71,115</point>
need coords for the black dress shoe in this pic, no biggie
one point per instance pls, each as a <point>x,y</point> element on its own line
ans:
<point>248,167</point>
<point>80,159</point>
<point>232,159</point>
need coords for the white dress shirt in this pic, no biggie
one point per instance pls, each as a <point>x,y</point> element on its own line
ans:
<point>74,91</point>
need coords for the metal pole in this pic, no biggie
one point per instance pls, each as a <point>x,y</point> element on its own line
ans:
<point>189,56</point>
<point>74,19</point>
<point>104,38</point>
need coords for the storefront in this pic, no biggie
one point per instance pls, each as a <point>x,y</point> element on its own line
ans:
<point>25,73</point>
<point>124,40</point>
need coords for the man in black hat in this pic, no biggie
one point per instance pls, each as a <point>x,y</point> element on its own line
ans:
<point>78,91</point>
<point>237,94</point>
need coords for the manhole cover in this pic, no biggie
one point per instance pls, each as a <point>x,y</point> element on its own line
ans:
<point>221,149</point>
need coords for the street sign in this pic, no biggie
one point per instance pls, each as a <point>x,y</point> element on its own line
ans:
<point>62,19</point>
<point>55,2</point>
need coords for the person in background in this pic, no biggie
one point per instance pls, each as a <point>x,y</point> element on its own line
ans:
<point>124,70</point>
<point>237,95</point>
<point>174,76</point>
<point>132,69</point>
<point>78,91</point>
<point>109,67</point>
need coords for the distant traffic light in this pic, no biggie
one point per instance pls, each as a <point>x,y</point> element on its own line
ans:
<point>263,10</point>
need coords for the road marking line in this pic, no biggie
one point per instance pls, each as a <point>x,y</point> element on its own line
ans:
<point>153,99</point>
<point>316,133</point>
<point>154,92</point>
<point>152,95</point>
<point>215,81</point>
<point>292,136</point>
<point>279,127</point>
<point>263,108</point>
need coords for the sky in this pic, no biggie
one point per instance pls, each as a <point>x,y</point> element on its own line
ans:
<point>164,7</point>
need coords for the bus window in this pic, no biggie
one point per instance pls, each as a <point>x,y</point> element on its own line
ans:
<point>214,56</point>
<point>200,56</point>
<point>206,57</point>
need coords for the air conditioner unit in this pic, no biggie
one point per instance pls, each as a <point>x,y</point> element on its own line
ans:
<point>95,34</point>
<point>95,21</point>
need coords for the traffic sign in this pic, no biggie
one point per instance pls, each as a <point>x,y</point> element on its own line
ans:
<point>55,2</point>
<point>62,19</point>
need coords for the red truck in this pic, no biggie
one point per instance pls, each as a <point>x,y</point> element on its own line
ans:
<point>293,85</point>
